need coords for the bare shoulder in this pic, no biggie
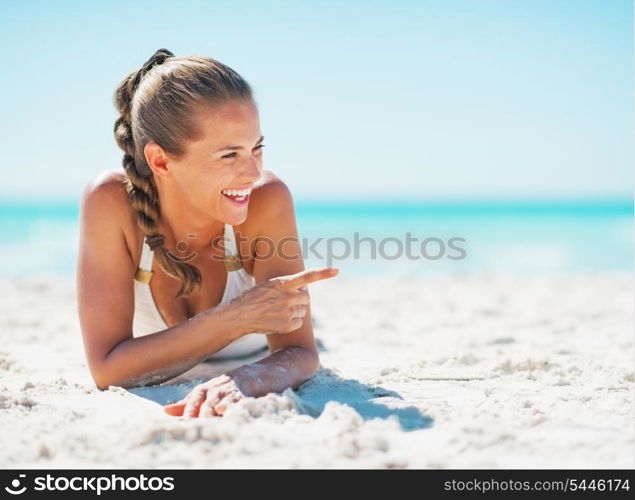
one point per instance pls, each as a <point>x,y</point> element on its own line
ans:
<point>105,203</point>
<point>271,200</point>
<point>271,194</point>
<point>270,207</point>
<point>107,188</point>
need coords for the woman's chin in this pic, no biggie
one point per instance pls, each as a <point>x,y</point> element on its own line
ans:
<point>235,212</point>
<point>235,217</point>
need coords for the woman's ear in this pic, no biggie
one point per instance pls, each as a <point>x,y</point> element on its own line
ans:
<point>156,158</point>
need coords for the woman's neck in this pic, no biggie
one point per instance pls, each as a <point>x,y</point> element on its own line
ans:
<point>187,229</point>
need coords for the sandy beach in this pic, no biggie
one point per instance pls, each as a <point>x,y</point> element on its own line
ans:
<point>469,371</point>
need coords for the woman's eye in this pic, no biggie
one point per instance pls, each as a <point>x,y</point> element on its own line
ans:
<point>233,155</point>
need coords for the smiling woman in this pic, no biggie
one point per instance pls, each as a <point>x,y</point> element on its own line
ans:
<point>155,296</point>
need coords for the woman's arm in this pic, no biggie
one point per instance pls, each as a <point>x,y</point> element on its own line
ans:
<point>105,294</point>
<point>287,367</point>
<point>160,356</point>
<point>294,357</point>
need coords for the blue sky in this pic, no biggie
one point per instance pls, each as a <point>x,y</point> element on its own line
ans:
<point>396,99</point>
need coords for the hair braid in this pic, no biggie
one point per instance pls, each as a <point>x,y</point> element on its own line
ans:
<point>139,182</point>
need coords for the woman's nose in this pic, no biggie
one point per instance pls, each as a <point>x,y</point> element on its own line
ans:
<point>250,171</point>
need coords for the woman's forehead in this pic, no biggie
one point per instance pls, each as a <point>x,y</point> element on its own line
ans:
<point>234,113</point>
<point>228,123</point>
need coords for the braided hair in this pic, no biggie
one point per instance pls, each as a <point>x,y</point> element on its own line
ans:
<point>157,104</point>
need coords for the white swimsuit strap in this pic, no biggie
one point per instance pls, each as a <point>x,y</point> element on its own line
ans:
<point>230,241</point>
<point>232,256</point>
<point>146,257</point>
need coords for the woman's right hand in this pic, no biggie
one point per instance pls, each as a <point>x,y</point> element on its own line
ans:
<point>279,304</point>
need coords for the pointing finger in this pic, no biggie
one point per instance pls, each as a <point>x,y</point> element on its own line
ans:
<point>303,278</point>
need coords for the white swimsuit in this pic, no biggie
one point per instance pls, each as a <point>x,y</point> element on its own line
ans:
<point>148,319</point>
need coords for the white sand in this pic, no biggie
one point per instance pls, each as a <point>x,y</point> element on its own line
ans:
<point>483,372</point>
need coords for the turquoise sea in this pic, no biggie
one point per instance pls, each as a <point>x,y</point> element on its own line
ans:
<point>440,237</point>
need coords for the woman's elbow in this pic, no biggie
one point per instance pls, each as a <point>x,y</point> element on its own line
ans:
<point>102,386</point>
<point>104,370</point>
<point>103,382</point>
<point>102,375</point>
<point>101,379</point>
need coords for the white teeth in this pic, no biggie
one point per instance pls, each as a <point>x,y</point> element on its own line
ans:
<point>235,192</point>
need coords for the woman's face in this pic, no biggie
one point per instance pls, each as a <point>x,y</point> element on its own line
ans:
<point>226,159</point>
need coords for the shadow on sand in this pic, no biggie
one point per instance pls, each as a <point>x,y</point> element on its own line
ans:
<point>368,401</point>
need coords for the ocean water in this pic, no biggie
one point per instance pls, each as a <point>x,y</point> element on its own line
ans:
<point>383,238</point>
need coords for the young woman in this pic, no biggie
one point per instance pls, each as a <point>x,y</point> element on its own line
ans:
<point>157,292</point>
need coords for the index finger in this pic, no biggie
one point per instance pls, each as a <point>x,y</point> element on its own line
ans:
<point>303,278</point>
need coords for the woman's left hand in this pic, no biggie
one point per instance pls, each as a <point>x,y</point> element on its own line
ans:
<point>208,399</point>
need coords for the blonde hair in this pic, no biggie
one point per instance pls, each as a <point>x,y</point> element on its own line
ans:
<point>157,104</point>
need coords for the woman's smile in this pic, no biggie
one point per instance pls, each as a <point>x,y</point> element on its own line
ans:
<point>237,200</point>
<point>237,196</point>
